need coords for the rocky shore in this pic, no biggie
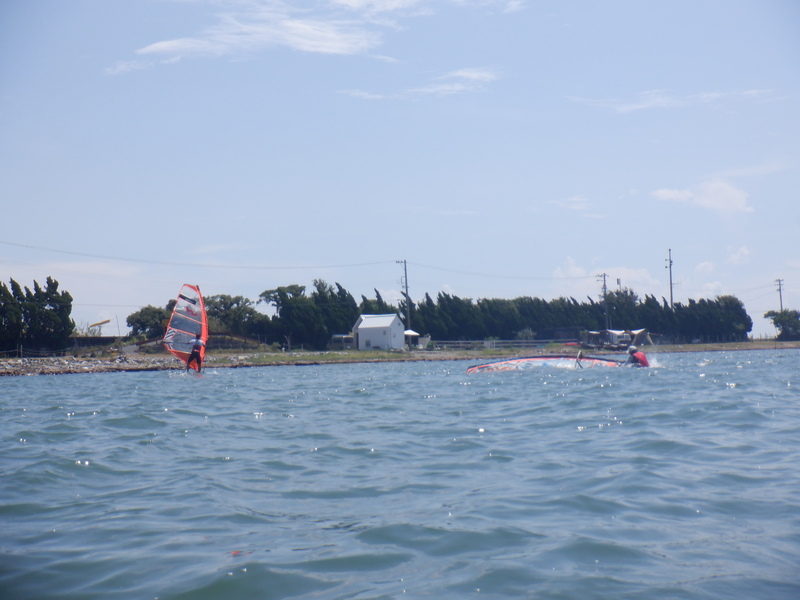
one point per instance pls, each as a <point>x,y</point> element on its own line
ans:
<point>63,365</point>
<point>161,362</point>
<point>71,364</point>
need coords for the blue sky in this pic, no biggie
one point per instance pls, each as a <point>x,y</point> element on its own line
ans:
<point>504,149</point>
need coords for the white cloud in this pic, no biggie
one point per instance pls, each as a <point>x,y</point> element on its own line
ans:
<point>712,288</point>
<point>126,66</point>
<point>461,81</point>
<point>704,268</point>
<point>716,195</point>
<point>457,82</point>
<point>737,256</point>
<point>514,6</point>
<point>377,6</point>
<point>569,270</point>
<point>363,95</point>
<point>577,203</point>
<point>337,27</point>
<point>653,99</point>
<point>478,75</point>
<point>253,31</point>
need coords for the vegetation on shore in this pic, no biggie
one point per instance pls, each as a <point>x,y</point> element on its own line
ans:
<point>309,320</point>
<point>39,319</point>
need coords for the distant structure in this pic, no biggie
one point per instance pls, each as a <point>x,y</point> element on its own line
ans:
<point>379,332</point>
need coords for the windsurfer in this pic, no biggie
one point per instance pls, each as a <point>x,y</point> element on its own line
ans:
<point>197,345</point>
<point>636,358</point>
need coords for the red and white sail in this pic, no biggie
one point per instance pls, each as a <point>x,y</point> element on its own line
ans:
<point>187,320</point>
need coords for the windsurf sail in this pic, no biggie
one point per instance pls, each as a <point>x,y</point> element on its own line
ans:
<point>560,361</point>
<point>187,320</point>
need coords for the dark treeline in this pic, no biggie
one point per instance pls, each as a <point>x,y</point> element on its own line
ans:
<point>37,319</point>
<point>453,318</point>
<point>40,318</point>
<point>309,318</point>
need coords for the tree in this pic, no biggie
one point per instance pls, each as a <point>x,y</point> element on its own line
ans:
<point>300,320</point>
<point>39,318</point>
<point>462,318</point>
<point>150,321</point>
<point>375,307</point>
<point>11,322</point>
<point>787,322</point>
<point>500,317</point>
<point>234,314</point>
<point>427,319</point>
<point>622,306</point>
<point>733,319</point>
<point>338,307</point>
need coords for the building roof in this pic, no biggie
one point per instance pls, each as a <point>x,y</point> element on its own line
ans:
<point>376,321</point>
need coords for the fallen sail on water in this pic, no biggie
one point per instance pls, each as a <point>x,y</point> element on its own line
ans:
<point>528,362</point>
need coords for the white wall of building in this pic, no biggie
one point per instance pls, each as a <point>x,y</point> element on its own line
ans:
<point>379,332</point>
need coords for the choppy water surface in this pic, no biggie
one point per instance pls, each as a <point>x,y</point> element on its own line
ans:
<point>406,480</point>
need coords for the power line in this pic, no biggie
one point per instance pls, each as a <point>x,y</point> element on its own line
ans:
<point>496,276</point>
<point>193,265</point>
<point>279,267</point>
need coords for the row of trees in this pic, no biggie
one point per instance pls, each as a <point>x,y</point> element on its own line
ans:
<point>450,317</point>
<point>38,318</point>
<point>309,318</point>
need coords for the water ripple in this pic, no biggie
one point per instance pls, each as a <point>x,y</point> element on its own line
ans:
<point>378,481</point>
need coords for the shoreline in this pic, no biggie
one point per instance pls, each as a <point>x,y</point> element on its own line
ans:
<point>64,365</point>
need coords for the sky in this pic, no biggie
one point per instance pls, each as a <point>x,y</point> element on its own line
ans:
<point>500,148</point>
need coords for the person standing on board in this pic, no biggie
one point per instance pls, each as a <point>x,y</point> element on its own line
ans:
<point>636,358</point>
<point>197,345</point>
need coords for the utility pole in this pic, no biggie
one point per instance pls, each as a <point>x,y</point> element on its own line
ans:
<point>669,266</point>
<point>780,291</point>
<point>408,299</point>
<point>605,298</point>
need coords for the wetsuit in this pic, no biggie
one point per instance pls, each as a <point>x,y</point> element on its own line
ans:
<point>195,355</point>
<point>638,359</point>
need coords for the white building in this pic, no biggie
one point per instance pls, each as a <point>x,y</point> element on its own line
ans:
<point>379,332</point>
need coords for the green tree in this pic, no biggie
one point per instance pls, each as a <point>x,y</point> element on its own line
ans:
<point>622,305</point>
<point>733,319</point>
<point>500,317</point>
<point>299,320</point>
<point>12,325</point>
<point>462,318</point>
<point>150,321</point>
<point>787,322</point>
<point>375,307</point>
<point>338,307</point>
<point>427,320</point>
<point>236,315</point>
<point>38,318</point>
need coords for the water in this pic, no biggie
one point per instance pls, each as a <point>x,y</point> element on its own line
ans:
<point>378,481</point>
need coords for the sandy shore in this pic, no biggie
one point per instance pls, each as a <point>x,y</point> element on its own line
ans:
<point>162,362</point>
